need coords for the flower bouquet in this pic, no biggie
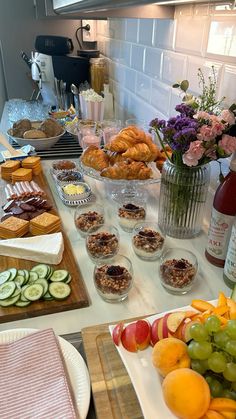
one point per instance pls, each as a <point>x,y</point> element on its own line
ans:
<point>200,133</point>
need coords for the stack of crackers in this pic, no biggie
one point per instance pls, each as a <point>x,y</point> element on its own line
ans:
<point>33,163</point>
<point>44,224</point>
<point>8,168</point>
<point>21,175</point>
<point>13,227</point>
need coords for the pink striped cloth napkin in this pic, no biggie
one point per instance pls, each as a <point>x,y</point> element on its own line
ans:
<point>33,379</point>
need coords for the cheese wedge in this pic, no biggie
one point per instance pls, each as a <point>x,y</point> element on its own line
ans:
<point>47,248</point>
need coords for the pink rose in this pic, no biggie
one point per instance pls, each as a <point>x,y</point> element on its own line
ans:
<point>205,133</point>
<point>227,116</point>
<point>202,115</point>
<point>228,144</point>
<point>217,128</point>
<point>194,153</point>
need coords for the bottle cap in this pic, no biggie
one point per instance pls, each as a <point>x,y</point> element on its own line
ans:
<point>232,165</point>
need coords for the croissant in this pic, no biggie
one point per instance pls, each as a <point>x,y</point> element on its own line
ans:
<point>139,152</point>
<point>128,170</point>
<point>126,138</point>
<point>115,157</point>
<point>95,157</point>
<point>155,152</point>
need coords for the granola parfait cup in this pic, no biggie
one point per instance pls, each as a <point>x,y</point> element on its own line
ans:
<point>103,244</point>
<point>113,280</point>
<point>130,212</point>
<point>89,218</point>
<point>148,240</point>
<point>178,269</point>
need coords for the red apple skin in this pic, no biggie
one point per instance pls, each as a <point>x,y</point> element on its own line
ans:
<point>116,334</point>
<point>156,331</point>
<point>165,330</point>
<point>142,334</point>
<point>128,339</point>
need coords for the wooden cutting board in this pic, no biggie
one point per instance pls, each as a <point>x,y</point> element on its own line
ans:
<point>113,393</point>
<point>78,298</point>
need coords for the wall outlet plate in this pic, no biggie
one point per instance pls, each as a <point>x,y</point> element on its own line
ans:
<point>91,35</point>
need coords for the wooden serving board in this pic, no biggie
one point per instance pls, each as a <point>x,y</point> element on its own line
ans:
<point>78,298</point>
<point>113,392</point>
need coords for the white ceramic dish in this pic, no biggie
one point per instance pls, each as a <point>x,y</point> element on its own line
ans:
<point>145,379</point>
<point>75,364</point>
<point>37,143</point>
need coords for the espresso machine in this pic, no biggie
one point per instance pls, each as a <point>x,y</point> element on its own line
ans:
<point>55,69</point>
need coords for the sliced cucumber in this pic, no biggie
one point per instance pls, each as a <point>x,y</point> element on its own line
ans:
<point>22,297</point>
<point>59,290</point>
<point>7,290</point>
<point>33,276</point>
<point>5,276</point>
<point>42,270</point>
<point>44,284</point>
<point>19,280</point>
<point>59,275</point>
<point>48,297</point>
<point>68,279</point>
<point>33,292</point>
<point>9,301</point>
<point>21,303</point>
<point>26,276</point>
<point>13,272</point>
<point>50,272</point>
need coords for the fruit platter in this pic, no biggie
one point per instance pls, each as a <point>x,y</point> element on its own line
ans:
<point>192,348</point>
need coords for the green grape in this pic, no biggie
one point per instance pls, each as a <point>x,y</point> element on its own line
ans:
<point>230,371</point>
<point>198,332</point>
<point>212,324</point>
<point>209,379</point>
<point>203,350</point>
<point>221,338</point>
<point>217,362</point>
<point>231,328</point>
<point>227,394</point>
<point>199,366</point>
<point>216,388</point>
<point>230,347</point>
<point>191,349</point>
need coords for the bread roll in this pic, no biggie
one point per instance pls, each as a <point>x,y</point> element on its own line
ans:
<point>34,133</point>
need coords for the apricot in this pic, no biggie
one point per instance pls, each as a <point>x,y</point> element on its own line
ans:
<point>186,393</point>
<point>169,354</point>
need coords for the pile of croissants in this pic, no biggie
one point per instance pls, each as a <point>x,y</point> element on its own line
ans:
<point>126,156</point>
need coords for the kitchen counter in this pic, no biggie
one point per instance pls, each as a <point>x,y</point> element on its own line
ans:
<point>147,295</point>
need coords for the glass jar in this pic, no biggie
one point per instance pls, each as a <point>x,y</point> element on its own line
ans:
<point>183,194</point>
<point>178,269</point>
<point>98,73</point>
<point>103,244</point>
<point>113,280</point>
<point>89,219</point>
<point>148,240</point>
<point>130,212</point>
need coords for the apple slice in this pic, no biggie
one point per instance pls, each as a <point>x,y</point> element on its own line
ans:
<point>174,320</point>
<point>117,331</point>
<point>185,333</point>
<point>142,334</point>
<point>128,338</point>
<point>156,330</point>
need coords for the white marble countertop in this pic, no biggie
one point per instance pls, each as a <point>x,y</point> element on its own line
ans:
<point>147,295</point>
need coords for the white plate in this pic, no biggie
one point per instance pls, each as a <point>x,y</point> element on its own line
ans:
<point>145,379</point>
<point>75,364</point>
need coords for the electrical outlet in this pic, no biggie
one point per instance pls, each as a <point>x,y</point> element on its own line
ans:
<point>91,35</point>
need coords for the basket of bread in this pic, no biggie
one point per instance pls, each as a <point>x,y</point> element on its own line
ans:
<point>126,157</point>
<point>40,134</point>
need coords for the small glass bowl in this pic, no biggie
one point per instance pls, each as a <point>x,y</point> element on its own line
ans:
<point>63,165</point>
<point>147,240</point>
<point>130,212</point>
<point>113,280</point>
<point>178,269</point>
<point>103,244</point>
<point>68,176</point>
<point>88,219</point>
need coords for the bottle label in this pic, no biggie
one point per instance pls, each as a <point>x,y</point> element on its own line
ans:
<point>219,234</point>
<point>230,262</point>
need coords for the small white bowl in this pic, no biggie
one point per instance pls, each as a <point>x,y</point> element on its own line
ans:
<point>37,143</point>
<point>74,197</point>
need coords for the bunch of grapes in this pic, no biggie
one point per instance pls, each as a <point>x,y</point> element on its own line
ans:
<point>213,354</point>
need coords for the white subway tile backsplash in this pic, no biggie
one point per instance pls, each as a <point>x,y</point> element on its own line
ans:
<point>174,67</point>
<point>137,57</point>
<point>153,62</point>
<point>160,97</point>
<point>131,34</point>
<point>130,79</point>
<point>164,31</point>
<point>143,86</point>
<point>145,35</point>
<point>148,55</point>
<point>193,31</point>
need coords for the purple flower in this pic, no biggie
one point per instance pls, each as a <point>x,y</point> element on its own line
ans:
<point>157,123</point>
<point>185,110</point>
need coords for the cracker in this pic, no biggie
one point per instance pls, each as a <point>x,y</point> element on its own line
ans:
<point>45,220</point>
<point>13,227</point>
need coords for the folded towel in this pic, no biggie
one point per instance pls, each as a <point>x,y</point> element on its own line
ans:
<point>33,379</point>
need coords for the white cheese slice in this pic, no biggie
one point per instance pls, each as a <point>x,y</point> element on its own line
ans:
<point>47,248</point>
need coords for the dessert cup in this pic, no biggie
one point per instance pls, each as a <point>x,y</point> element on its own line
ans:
<point>103,244</point>
<point>147,240</point>
<point>89,218</point>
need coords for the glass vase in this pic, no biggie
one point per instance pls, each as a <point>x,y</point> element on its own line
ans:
<point>183,195</point>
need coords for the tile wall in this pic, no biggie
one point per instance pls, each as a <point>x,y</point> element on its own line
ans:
<point>146,56</point>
